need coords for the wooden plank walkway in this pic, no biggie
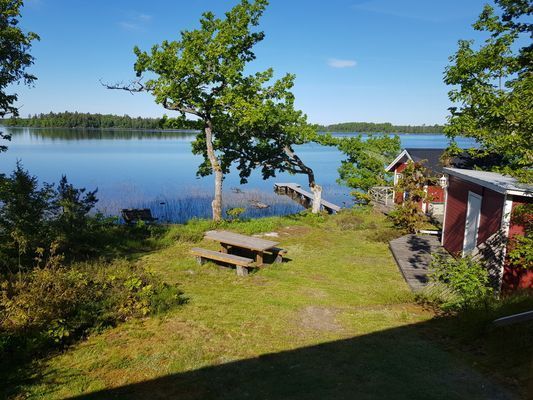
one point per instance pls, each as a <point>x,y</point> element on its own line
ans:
<point>304,197</point>
<point>413,256</point>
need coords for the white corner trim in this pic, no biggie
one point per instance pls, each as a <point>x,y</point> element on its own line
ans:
<point>397,160</point>
<point>505,227</point>
<point>506,216</point>
<point>444,218</point>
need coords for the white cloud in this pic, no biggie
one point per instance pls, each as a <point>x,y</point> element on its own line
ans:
<point>337,63</point>
<point>136,22</point>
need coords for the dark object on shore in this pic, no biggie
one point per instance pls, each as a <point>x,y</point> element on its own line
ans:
<point>236,190</point>
<point>258,204</point>
<point>134,215</point>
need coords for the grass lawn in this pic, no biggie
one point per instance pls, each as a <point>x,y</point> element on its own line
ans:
<point>336,321</point>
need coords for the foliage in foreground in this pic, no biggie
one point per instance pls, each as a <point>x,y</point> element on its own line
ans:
<point>15,57</point>
<point>521,246</point>
<point>34,216</point>
<point>408,214</point>
<point>458,284</point>
<point>54,304</point>
<point>493,87</point>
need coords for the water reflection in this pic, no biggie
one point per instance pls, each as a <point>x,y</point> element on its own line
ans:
<point>138,169</point>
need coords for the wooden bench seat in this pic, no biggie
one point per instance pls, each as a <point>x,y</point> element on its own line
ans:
<point>277,252</point>
<point>241,263</point>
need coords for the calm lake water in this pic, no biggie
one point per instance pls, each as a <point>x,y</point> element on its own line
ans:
<point>157,170</point>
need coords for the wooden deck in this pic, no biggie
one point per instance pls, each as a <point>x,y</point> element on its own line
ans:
<point>413,256</point>
<point>305,198</point>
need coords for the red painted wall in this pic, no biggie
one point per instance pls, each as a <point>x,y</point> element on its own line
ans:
<point>436,193</point>
<point>398,168</point>
<point>490,221</point>
<point>491,213</point>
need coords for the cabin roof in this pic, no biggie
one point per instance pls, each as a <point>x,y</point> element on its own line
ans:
<point>434,164</point>
<point>504,184</point>
<point>431,157</point>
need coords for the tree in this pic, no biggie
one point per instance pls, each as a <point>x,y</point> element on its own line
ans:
<point>413,184</point>
<point>366,161</point>
<point>70,225</point>
<point>202,75</point>
<point>493,86</point>
<point>23,216</point>
<point>14,57</point>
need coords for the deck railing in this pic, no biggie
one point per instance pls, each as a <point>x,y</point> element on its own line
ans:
<point>382,195</point>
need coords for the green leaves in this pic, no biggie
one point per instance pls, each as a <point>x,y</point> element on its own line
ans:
<point>493,87</point>
<point>366,159</point>
<point>14,54</point>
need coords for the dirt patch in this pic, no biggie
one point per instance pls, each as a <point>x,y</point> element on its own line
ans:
<point>322,319</point>
<point>295,231</point>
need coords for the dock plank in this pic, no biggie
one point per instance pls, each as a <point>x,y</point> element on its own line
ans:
<point>296,188</point>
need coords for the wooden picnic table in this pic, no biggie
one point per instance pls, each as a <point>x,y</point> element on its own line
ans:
<point>230,239</point>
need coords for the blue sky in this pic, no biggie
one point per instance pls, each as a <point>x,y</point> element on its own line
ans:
<point>354,60</point>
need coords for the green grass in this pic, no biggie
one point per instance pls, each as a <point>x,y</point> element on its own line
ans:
<point>334,321</point>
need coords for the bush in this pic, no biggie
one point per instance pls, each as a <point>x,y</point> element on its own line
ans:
<point>33,216</point>
<point>464,281</point>
<point>53,305</point>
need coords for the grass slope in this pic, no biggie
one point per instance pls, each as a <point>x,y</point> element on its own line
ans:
<point>334,321</point>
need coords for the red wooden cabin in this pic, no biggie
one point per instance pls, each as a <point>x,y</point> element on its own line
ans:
<point>478,219</point>
<point>431,159</point>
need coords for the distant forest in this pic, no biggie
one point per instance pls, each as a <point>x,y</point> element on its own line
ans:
<point>385,127</point>
<point>99,121</point>
<point>108,121</point>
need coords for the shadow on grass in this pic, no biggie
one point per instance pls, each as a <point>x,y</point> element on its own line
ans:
<point>399,363</point>
<point>392,364</point>
<point>428,360</point>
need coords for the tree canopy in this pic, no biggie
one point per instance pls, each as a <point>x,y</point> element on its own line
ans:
<point>493,86</point>
<point>366,159</point>
<point>14,57</point>
<point>242,116</point>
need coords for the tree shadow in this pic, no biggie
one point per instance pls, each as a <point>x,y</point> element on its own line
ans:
<point>391,364</point>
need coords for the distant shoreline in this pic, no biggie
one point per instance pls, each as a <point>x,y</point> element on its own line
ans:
<point>198,131</point>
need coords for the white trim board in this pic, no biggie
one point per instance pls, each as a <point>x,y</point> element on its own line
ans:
<point>397,160</point>
<point>501,188</point>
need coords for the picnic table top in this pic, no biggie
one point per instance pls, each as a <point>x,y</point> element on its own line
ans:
<point>235,239</point>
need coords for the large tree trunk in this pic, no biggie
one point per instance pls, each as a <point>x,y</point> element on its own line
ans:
<point>317,198</point>
<point>216,204</point>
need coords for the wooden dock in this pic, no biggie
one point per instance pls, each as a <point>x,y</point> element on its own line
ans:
<point>305,198</point>
<point>413,254</point>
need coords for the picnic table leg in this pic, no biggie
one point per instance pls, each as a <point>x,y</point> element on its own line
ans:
<point>225,248</point>
<point>242,271</point>
<point>259,258</point>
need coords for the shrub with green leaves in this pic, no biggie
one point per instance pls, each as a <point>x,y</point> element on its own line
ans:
<point>235,213</point>
<point>54,304</point>
<point>465,280</point>
<point>408,214</point>
<point>33,216</point>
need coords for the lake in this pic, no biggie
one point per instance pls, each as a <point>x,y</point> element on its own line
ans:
<point>137,169</point>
